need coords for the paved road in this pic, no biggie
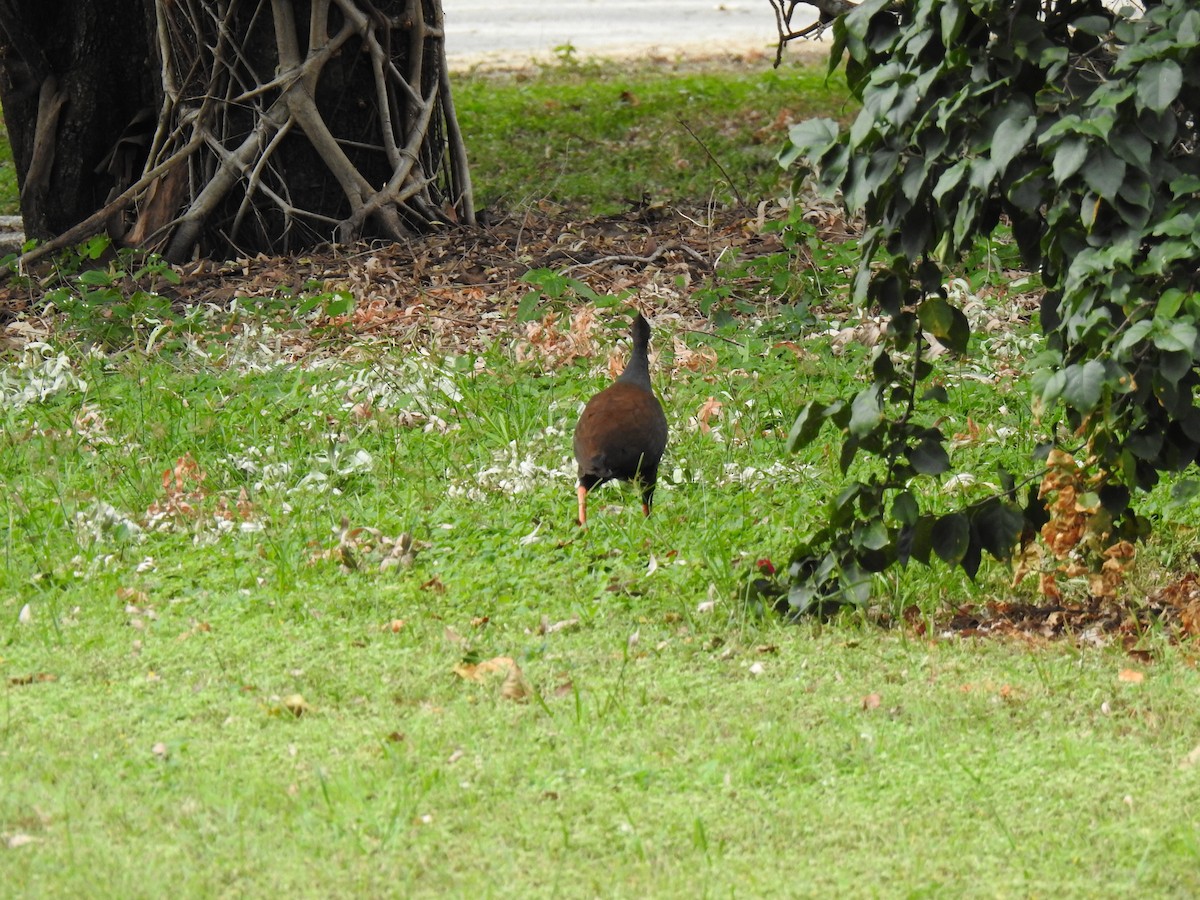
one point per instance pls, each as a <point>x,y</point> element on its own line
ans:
<point>516,30</point>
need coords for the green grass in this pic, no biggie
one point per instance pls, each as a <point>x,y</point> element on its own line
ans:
<point>653,760</point>
<point>149,653</point>
<point>604,136</point>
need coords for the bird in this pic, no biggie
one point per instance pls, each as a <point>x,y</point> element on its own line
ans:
<point>622,432</point>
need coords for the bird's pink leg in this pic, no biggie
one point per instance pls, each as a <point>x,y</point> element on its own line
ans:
<point>582,492</point>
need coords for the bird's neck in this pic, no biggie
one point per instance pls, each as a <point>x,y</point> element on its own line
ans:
<point>637,371</point>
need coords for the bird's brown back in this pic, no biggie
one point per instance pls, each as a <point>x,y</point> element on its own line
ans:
<point>622,431</point>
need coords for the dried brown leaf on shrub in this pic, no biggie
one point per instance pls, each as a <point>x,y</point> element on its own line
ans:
<point>709,409</point>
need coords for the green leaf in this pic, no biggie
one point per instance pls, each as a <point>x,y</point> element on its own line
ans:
<point>1145,444</point>
<point>1169,303</point>
<point>1094,25</point>
<point>916,541</point>
<point>950,178</point>
<point>96,277</point>
<point>806,427</point>
<point>1011,138</point>
<point>998,526</point>
<point>905,509</point>
<point>1185,185</point>
<point>1175,336</point>
<point>1135,334</point>
<point>872,535</point>
<point>929,457</point>
<point>810,139</point>
<point>1104,173</point>
<point>951,536</point>
<point>1084,385</point>
<point>1069,158</point>
<point>1158,84</point>
<point>527,309</point>
<point>866,412</point>
<point>946,323</point>
<point>952,21</point>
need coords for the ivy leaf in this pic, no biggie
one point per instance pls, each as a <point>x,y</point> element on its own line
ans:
<point>1130,339</point>
<point>1175,336</point>
<point>951,536</point>
<point>810,139</point>
<point>1105,173</point>
<point>1095,25</point>
<point>1010,139</point>
<point>1158,84</point>
<point>1069,158</point>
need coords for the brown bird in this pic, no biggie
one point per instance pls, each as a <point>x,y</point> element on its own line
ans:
<point>623,431</point>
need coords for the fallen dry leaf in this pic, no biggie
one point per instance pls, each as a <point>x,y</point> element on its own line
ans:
<point>295,704</point>
<point>37,678</point>
<point>395,626</point>
<point>871,701</point>
<point>516,687</point>
<point>13,841</point>
<point>1131,676</point>
<point>132,596</point>
<point>480,672</point>
<point>548,627</point>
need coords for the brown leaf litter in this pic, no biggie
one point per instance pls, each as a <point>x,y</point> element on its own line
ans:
<point>457,290</point>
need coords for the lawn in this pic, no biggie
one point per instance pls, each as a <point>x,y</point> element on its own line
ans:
<point>293,604</point>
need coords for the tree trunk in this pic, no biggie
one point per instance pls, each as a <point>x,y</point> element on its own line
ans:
<point>69,82</point>
<point>241,126</point>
